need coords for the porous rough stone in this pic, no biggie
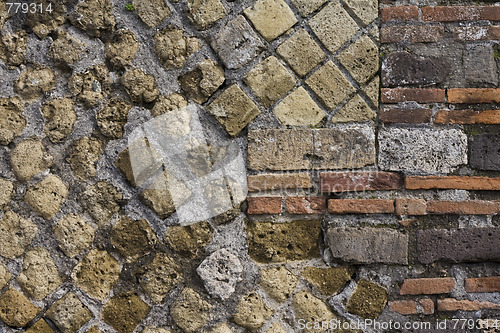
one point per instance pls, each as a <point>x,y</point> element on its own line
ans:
<point>15,309</point>
<point>122,47</point>
<point>5,276</point>
<point>188,240</point>
<point>39,276</point>
<point>6,192</point>
<point>421,150</point>
<point>365,10</point>
<point>73,234</point>
<point>311,309</point>
<point>101,201</point>
<point>155,330</point>
<point>12,121</point>
<point>45,22</point>
<point>13,48</point>
<point>234,109</point>
<point>307,7</point>
<point>480,66</point>
<point>29,158</point>
<point>484,153</point>
<point>159,277</point>
<point>329,281</point>
<point>91,85</point>
<point>47,196</point>
<point>220,272</point>
<point>271,18</point>
<point>34,82</point>
<point>252,312</point>
<point>16,233</point>
<point>95,17</point>
<point>356,110</point>
<point>276,328</point>
<point>40,326</point>
<point>152,12</point>
<point>59,117</point>
<point>368,300</point>
<point>168,103</point>
<point>278,282</point>
<point>112,118</point>
<point>173,48</point>
<point>269,80</point>
<point>141,87</point>
<point>280,242</point>
<point>96,273</point>
<point>204,13</point>
<point>133,238</point>
<point>372,90</point>
<point>361,59</point>
<point>66,50</point>
<point>69,313</point>
<point>298,109</point>
<point>200,83</point>
<point>190,312</point>
<point>83,157</point>
<point>124,313</point>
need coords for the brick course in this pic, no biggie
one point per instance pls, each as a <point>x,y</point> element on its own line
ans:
<point>427,286</point>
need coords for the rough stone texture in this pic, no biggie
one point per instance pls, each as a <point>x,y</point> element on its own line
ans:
<point>40,326</point>
<point>140,86</point>
<point>329,281</point>
<point>83,157</point>
<point>173,48</point>
<point>281,181</point>
<point>91,86</point>
<point>234,109</point>
<point>66,50</point>
<point>271,18</point>
<point>159,277</point>
<point>368,300</point>
<point>252,312</point>
<point>298,109</point>
<point>200,83</point>
<point>133,238</point>
<point>59,117</point>
<point>307,7</point>
<point>366,11</point>
<point>34,82</point>
<point>124,313</point>
<point>12,121</point>
<point>270,81</point>
<point>112,119</point>
<point>367,245</point>
<point>69,313</point>
<point>480,66</point>
<point>151,12</point>
<point>222,328</point>
<point>279,282</point>
<point>123,46</point>
<point>188,240</point>
<point>330,84</point>
<point>73,234</point>
<point>40,276</point>
<point>15,309</point>
<point>5,276</point>
<point>204,13</point>
<point>13,48</point>
<point>484,153</point>
<point>422,150</point>
<point>311,309</point>
<point>16,233</point>
<point>101,201</point>
<point>190,312</point>
<point>279,242</point>
<point>29,158</point>
<point>372,90</point>
<point>95,17</point>
<point>276,328</point>
<point>96,273</point>
<point>155,330</point>
<point>168,103</point>
<point>361,59</point>
<point>356,110</point>
<point>236,43</point>
<point>46,22</point>
<point>47,196</point>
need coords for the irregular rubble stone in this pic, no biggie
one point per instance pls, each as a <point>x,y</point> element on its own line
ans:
<point>59,117</point>
<point>234,109</point>
<point>69,313</point>
<point>4,14</point>
<point>40,326</point>
<point>276,328</point>
<point>311,309</point>
<point>12,121</point>
<point>122,48</point>
<point>269,80</point>
<point>66,50</point>
<point>29,158</point>
<point>173,48</point>
<point>96,274</point>
<point>151,12</point>
<point>200,83</point>
<point>83,157</point>
<point>190,312</point>
<point>15,309</point>
<point>101,201</point>
<point>6,192</point>
<point>73,234</point>
<point>94,329</point>
<point>484,153</point>
<point>279,242</point>
<point>91,86</point>
<point>155,330</point>
<point>307,7</point>
<point>236,43</point>
<point>279,283</point>
<point>47,22</point>
<point>220,272</point>
<point>480,65</point>
<point>168,103</point>
<point>13,48</point>
<point>366,11</point>
<point>140,86</point>
<point>16,234</point>
<point>204,13</point>
<point>189,239</point>
<point>252,312</point>
<point>361,59</point>
<point>222,328</point>
<point>329,281</point>
<point>271,18</point>
<point>93,16</point>
<point>355,110</point>
<point>112,119</point>
<point>368,300</point>
<point>159,277</point>
<point>34,82</point>
<point>133,238</point>
<point>298,109</point>
<point>5,276</point>
<point>125,313</point>
<point>47,196</point>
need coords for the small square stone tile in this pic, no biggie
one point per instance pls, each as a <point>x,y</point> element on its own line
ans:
<point>301,52</point>
<point>299,109</point>
<point>331,86</point>
<point>333,26</point>
<point>271,18</point>
<point>307,7</point>
<point>270,81</point>
<point>69,313</point>
<point>204,13</point>
<point>73,234</point>
<point>365,10</point>
<point>361,59</point>
<point>355,110</point>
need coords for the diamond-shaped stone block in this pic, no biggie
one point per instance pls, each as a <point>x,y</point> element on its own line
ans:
<point>307,7</point>
<point>73,234</point>
<point>372,90</point>
<point>271,18</point>
<point>204,13</point>
<point>361,59</point>
<point>15,309</point>
<point>355,110</point>
<point>16,233</point>
<point>365,10</point>
<point>124,313</point>
<point>299,109</point>
<point>69,313</point>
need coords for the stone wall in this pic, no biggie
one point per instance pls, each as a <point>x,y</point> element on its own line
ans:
<point>371,136</point>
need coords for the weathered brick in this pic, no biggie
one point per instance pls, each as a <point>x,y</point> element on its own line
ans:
<point>484,152</point>
<point>336,182</point>
<point>473,95</point>
<point>473,207</point>
<point>472,33</point>
<point>460,13</point>
<point>409,307</point>
<point>400,13</point>
<point>306,205</point>
<point>453,182</point>
<point>355,206</point>
<point>264,205</point>
<point>460,245</point>
<point>419,95</point>
<point>427,305</point>
<point>451,304</point>
<point>406,206</point>
<point>483,285</point>
<point>412,34</point>
<point>367,245</point>
<point>462,117</point>
<point>405,116</point>
<point>280,181</point>
<point>427,286</point>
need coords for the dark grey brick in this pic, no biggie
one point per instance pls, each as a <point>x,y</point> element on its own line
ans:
<point>485,152</point>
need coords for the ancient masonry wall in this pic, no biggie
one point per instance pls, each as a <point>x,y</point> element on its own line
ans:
<point>372,140</point>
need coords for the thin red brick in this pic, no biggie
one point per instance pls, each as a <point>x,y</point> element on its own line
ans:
<point>419,95</point>
<point>412,34</point>
<point>427,306</point>
<point>264,205</point>
<point>471,207</point>
<point>473,95</point>
<point>409,206</point>
<point>491,117</point>
<point>453,182</point>
<point>460,13</point>
<point>306,205</point>
<point>427,286</point>
<point>400,13</point>
<point>451,304</point>
<point>405,116</point>
<point>483,285</point>
<point>337,182</point>
<point>404,307</point>
<point>361,206</point>
<point>281,181</point>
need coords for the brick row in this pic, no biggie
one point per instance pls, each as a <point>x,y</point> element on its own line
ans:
<point>477,33</point>
<point>432,95</point>
<point>423,115</point>
<point>453,182</point>
<point>441,13</point>
<point>410,307</point>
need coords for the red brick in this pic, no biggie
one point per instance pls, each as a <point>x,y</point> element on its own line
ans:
<point>306,205</point>
<point>483,285</point>
<point>337,182</point>
<point>460,13</point>
<point>400,13</point>
<point>473,95</point>
<point>413,94</point>
<point>451,304</point>
<point>491,117</point>
<point>453,182</point>
<point>281,181</point>
<point>405,307</point>
<point>427,306</point>
<point>472,207</point>
<point>412,34</point>
<point>427,286</point>
<point>405,116</point>
<point>264,205</point>
<point>472,33</point>
<point>362,206</point>
<point>409,206</point>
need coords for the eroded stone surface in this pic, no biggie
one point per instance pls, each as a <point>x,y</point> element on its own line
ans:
<point>159,277</point>
<point>141,87</point>
<point>91,86</point>
<point>484,153</point>
<point>299,109</point>
<point>155,330</point>
<point>13,48</point>
<point>123,46</point>
<point>46,22</point>
<point>311,309</point>
<point>203,81</point>
<point>368,300</point>
<point>271,18</point>
<point>124,313</point>
<point>6,191</point>
<point>133,238</point>
<point>12,121</point>
<point>190,312</point>
<point>168,103</point>
<point>222,328</point>
<point>29,158</point>
<point>174,48</point>
<point>34,82</point>
<point>361,59</point>
<point>66,50</point>
<point>112,118</point>
<point>152,12</point>
<point>204,13</point>
<point>307,7</point>
<point>69,313</point>
<point>252,312</point>
<point>83,157</point>
<point>356,110</point>
<point>73,234</point>
<point>279,283</point>
<point>16,233</point>
<point>15,309</point>
<point>187,240</point>
<point>93,16</point>
<point>5,275</point>
<point>47,196</point>
<point>102,201</point>
<point>329,280</point>
<point>365,10</point>
<point>40,326</point>
<point>59,117</point>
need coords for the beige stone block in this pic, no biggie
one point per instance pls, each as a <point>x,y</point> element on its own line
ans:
<point>355,110</point>
<point>271,18</point>
<point>299,109</point>
<point>361,59</point>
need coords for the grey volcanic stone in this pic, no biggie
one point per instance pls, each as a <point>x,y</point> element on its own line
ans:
<point>485,152</point>
<point>480,65</point>
<point>368,245</point>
